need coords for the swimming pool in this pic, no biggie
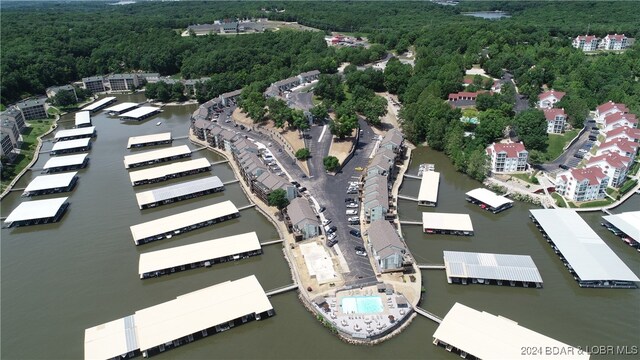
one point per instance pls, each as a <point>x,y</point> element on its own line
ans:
<point>361,304</point>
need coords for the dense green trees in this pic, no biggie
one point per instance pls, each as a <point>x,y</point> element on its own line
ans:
<point>345,121</point>
<point>278,198</point>
<point>331,163</point>
<point>531,127</point>
<point>303,154</point>
<point>63,98</point>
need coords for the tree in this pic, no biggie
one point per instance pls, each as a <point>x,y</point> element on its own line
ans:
<point>278,198</point>
<point>396,76</point>
<point>299,120</point>
<point>278,111</point>
<point>576,109</point>
<point>330,88</point>
<point>331,163</point>
<point>303,154</point>
<point>345,121</point>
<point>491,126</point>
<point>531,127</point>
<point>64,98</point>
<point>319,112</point>
<point>177,92</point>
<point>478,164</point>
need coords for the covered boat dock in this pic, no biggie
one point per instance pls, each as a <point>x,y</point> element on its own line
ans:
<point>83,119</point>
<point>121,108</point>
<point>71,146</point>
<point>65,163</point>
<point>98,105</point>
<point>140,113</point>
<point>169,171</point>
<point>482,268</point>
<point>473,334</point>
<point>488,200</point>
<point>429,185</point>
<point>51,184</point>
<point>591,262</point>
<point>178,192</point>
<point>169,226</point>
<point>156,156</point>
<point>72,134</point>
<point>38,212</point>
<point>447,223</point>
<point>626,225</point>
<point>201,254</point>
<point>149,140</point>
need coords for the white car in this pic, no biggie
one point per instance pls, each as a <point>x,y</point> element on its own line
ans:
<point>332,236</point>
<point>352,205</point>
<point>354,218</point>
<point>352,212</point>
<point>326,222</point>
<point>361,253</point>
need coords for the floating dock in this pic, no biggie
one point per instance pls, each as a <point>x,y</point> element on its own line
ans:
<point>83,119</point>
<point>591,262</point>
<point>65,163</point>
<point>169,226</point>
<point>177,322</point>
<point>156,156</point>
<point>140,113</point>
<point>626,225</point>
<point>488,200</point>
<point>149,140</point>
<point>429,185</point>
<point>98,105</point>
<point>202,254</point>
<point>481,268</point>
<point>51,184</point>
<point>170,171</point>
<point>72,134</point>
<point>446,223</point>
<point>479,335</point>
<point>178,192</point>
<point>121,108</point>
<point>37,212</point>
<point>71,146</point>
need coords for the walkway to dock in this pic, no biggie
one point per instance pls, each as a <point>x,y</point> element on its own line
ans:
<point>607,211</point>
<point>427,314</point>
<point>407,222</point>
<point>230,182</point>
<point>271,242</point>
<point>198,149</point>
<point>217,162</point>
<point>282,289</point>
<point>405,197</point>
<point>181,137</point>
<point>431,266</point>
<point>246,207</point>
<point>412,176</point>
<point>17,189</point>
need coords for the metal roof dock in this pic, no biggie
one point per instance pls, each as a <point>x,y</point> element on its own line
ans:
<point>140,113</point>
<point>49,184</point>
<point>120,108</point>
<point>156,156</point>
<point>83,119</point>
<point>99,104</point>
<point>469,332</point>
<point>37,212</point>
<point>591,262</point>
<point>148,140</point>
<point>488,200</point>
<point>446,223</point>
<point>205,253</point>
<point>64,163</point>
<point>176,224</point>
<point>112,340</point>
<point>178,192</point>
<point>72,134</point>
<point>486,268</point>
<point>627,222</point>
<point>169,171</point>
<point>428,194</point>
<point>71,146</point>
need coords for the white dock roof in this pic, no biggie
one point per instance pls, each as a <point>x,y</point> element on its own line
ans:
<point>164,170</point>
<point>37,209</point>
<point>152,155</point>
<point>446,221</point>
<point>585,251</point>
<point>199,310</point>
<point>491,266</point>
<point>177,221</point>
<point>54,181</point>
<point>68,160</point>
<point>429,186</point>
<point>135,140</point>
<point>111,339</point>
<point>488,197</point>
<point>99,103</point>
<point>140,112</point>
<point>75,132</point>
<point>122,107</point>
<point>176,190</point>
<point>487,336</point>
<point>206,250</point>
<point>71,144</point>
<point>83,117</point>
<point>627,222</point>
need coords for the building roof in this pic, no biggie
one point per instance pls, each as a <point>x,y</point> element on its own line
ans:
<point>622,144</point>
<point>299,210</point>
<point>393,136</point>
<point>512,149</point>
<point>122,107</point>
<point>111,340</point>
<point>617,37</point>
<point>61,87</point>
<point>93,78</point>
<point>610,105</point>
<point>488,197</point>
<point>446,221</point>
<point>550,114</point>
<point>491,266</point>
<point>201,251</point>
<point>272,181</point>
<point>184,219</point>
<point>627,222</point>
<point>614,160</point>
<point>71,144</point>
<point>99,103</point>
<point>147,156</point>
<point>177,190</point>
<point>83,117</point>
<point>593,174</point>
<point>384,238</point>
<point>586,38</point>
<point>231,93</point>
<point>552,93</point>
<point>31,103</point>
<point>145,139</point>
<point>44,182</point>
<point>75,132</point>
<point>632,133</point>
<point>68,160</point>
<point>429,186</point>
<point>140,112</point>
<point>120,76</point>
<point>310,73</point>
<point>487,336</point>
<point>464,94</point>
<point>584,250</point>
<point>36,209</point>
<point>164,170</point>
<point>619,116</point>
<point>228,135</point>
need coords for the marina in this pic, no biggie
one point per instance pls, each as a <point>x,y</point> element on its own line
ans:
<point>202,254</point>
<point>121,108</point>
<point>170,171</point>
<point>625,225</point>
<point>71,146</point>
<point>176,224</point>
<point>140,113</point>
<point>66,163</point>
<point>51,184</point>
<point>483,268</point>
<point>428,195</point>
<point>446,223</point>
<point>178,192</point>
<point>149,140</point>
<point>37,212</point>
<point>488,200</point>
<point>156,156</point>
<point>100,104</point>
<point>72,134</point>
<point>83,119</point>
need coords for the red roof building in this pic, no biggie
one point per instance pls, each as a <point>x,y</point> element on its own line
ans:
<point>609,108</point>
<point>556,119</point>
<point>621,146</point>
<point>507,157</point>
<point>619,119</point>
<point>631,134</point>
<point>582,184</point>
<point>547,99</point>
<point>614,165</point>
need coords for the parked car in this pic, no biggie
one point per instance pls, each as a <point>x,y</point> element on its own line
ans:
<point>359,168</point>
<point>330,243</point>
<point>354,222</point>
<point>242,127</point>
<point>352,212</point>
<point>352,205</point>
<point>349,200</point>
<point>563,166</point>
<point>326,222</point>
<point>578,155</point>
<point>360,248</point>
<point>353,218</point>
<point>361,253</point>
<point>322,209</point>
<point>582,150</point>
<point>332,236</point>
<point>352,191</point>
<point>302,189</point>
<point>327,228</point>
<point>295,183</point>
<point>355,233</point>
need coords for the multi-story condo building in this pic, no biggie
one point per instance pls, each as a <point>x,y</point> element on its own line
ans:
<point>614,42</point>
<point>507,157</point>
<point>624,132</point>
<point>586,42</point>
<point>609,108</point>
<point>14,114</point>
<point>614,165</point>
<point>548,99</point>
<point>33,108</point>
<point>54,90</point>
<point>582,184</point>
<point>94,83</point>
<point>621,146</point>
<point>556,118</point>
<point>619,119</point>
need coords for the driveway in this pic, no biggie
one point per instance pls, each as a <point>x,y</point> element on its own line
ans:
<point>567,158</point>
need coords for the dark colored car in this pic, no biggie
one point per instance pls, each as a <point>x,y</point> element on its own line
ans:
<point>578,155</point>
<point>563,166</point>
<point>302,189</point>
<point>349,200</point>
<point>360,248</point>
<point>330,243</point>
<point>322,209</point>
<point>355,233</point>
<point>295,183</point>
<point>242,127</point>
<point>333,229</point>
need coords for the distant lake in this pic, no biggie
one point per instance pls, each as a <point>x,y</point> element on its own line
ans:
<point>490,15</point>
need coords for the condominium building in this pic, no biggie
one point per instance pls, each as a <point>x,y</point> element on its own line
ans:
<point>614,165</point>
<point>556,119</point>
<point>582,184</point>
<point>507,157</point>
<point>33,108</point>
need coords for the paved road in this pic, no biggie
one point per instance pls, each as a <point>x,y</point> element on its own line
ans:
<point>567,158</point>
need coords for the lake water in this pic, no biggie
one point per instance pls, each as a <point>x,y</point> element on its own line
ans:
<point>489,15</point>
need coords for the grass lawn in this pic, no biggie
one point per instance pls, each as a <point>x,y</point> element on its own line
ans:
<point>470,112</point>
<point>596,203</point>
<point>634,168</point>
<point>628,185</point>
<point>315,100</point>
<point>557,143</point>
<point>612,192</point>
<point>558,199</point>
